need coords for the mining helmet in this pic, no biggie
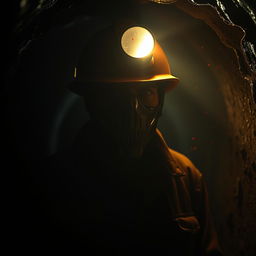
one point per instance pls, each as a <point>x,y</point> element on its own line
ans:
<point>122,56</point>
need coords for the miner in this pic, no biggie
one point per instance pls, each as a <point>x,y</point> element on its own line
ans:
<point>120,187</point>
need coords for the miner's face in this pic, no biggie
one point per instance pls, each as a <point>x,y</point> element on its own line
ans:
<point>128,113</point>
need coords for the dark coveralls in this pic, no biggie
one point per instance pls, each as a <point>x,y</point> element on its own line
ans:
<point>92,200</point>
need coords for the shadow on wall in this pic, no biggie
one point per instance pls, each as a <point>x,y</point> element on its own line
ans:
<point>203,117</point>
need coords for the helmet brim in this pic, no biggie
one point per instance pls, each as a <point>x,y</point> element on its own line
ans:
<point>168,81</point>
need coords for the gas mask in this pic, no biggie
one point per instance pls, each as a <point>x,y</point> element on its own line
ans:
<point>128,114</point>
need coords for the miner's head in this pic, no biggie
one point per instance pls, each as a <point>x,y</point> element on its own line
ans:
<point>123,75</point>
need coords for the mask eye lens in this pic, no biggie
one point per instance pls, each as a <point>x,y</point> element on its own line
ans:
<point>149,97</point>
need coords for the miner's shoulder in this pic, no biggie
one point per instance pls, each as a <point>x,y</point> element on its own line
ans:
<point>182,165</point>
<point>185,164</point>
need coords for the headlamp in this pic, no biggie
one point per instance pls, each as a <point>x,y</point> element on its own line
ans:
<point>137,42</point>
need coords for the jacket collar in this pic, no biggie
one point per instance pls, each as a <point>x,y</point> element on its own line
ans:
<point>94,139</point>
<point>175,169</point>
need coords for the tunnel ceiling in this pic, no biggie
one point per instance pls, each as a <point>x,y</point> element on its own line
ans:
<point>32,18</point>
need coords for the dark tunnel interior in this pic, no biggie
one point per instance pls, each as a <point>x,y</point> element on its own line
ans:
<point>210,117</point>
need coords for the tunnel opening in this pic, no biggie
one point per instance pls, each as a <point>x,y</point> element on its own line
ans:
<point>210,117</point>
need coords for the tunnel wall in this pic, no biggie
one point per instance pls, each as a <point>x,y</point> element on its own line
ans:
<point>235,188</point>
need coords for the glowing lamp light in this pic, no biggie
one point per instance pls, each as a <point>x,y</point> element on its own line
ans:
<point>137,42</point>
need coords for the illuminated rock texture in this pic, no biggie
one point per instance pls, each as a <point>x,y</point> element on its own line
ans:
<point>233,63</point>
<point>237,185</point>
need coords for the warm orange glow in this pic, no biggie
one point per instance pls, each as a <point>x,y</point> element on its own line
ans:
<point>137,42</point>
<point>75,71</point>
<point>160,77</point>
